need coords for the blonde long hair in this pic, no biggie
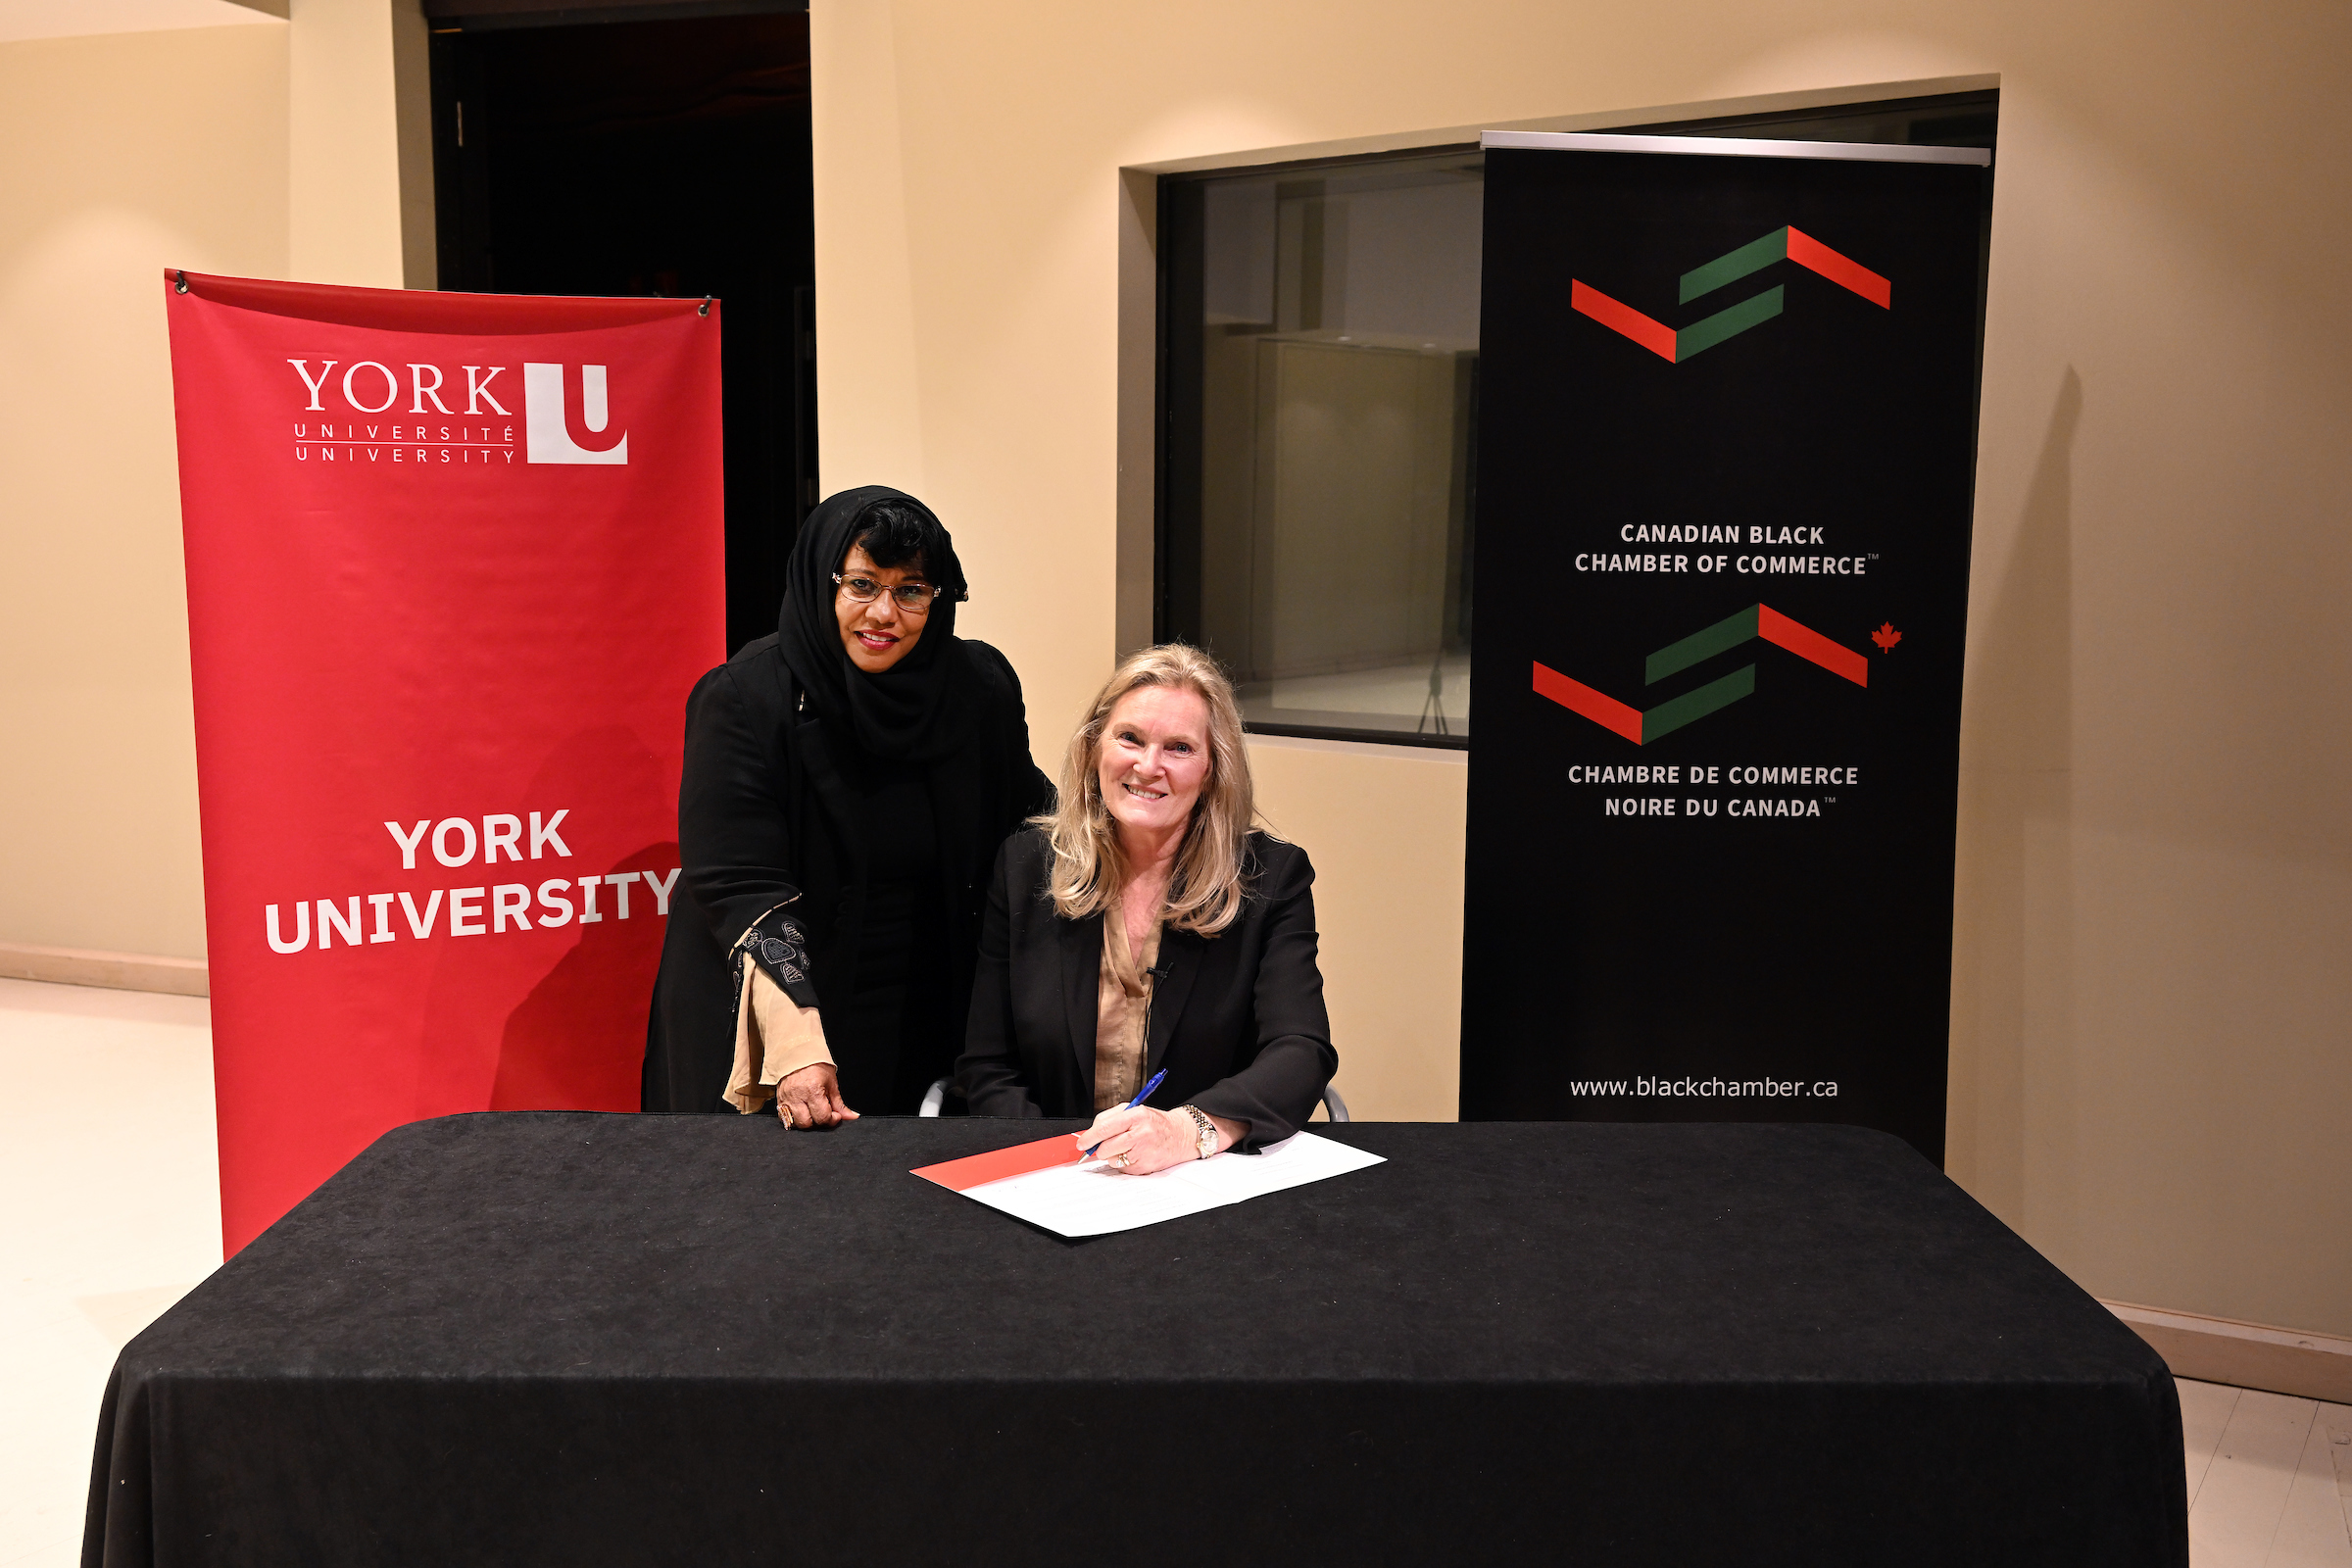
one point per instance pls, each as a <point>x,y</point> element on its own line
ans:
<point>1205,888</point>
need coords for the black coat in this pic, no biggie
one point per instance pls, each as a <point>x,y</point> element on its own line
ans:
<point>766,806</point>
<point>1238,1020</point>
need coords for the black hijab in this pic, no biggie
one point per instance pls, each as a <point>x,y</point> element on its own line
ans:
<point>908,711</point>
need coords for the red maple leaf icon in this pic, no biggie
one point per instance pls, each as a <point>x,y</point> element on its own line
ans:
<point>1886,636</point>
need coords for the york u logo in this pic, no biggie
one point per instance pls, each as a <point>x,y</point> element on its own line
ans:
<point>546,429</point>
<point>549,434</point>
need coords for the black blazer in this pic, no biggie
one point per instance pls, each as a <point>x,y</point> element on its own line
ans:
<point>766,806</point>
<point>1238,1021</point>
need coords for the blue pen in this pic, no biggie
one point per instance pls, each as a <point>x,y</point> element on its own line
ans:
<point>1141,1095</point>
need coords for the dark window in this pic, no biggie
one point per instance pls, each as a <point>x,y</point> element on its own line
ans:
<point>1318,432</point>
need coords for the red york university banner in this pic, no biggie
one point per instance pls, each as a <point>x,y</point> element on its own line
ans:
<point>454,561</point>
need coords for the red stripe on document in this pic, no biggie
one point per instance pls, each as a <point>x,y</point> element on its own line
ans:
<point>1806,643</point>
<point>1655,336</point>
<point>976,1170</point>
<point>1578,697</point>
<point>1806,251</point>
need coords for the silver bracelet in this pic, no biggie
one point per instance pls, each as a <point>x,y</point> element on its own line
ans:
<point>1205,1137</point>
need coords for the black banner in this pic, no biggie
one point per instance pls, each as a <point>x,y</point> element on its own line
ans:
<point>1726,457</point>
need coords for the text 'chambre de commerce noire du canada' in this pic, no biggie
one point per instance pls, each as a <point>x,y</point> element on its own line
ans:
<point>489,908</point>
<point>1711,775</point>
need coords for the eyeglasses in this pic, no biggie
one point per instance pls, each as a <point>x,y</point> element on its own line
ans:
<point>913,597</point>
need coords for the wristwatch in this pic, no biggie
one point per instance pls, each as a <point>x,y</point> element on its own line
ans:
<point>1205,1133</point>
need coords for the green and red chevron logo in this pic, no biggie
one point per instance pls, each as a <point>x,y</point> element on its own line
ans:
<point>1756,620</point>
<point>1781,244</point>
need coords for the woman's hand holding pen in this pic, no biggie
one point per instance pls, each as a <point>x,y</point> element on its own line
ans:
<point>1136,1140</point>
<point>1148,1140</point>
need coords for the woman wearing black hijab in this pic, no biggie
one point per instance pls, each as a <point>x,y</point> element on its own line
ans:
<point>847,784</point>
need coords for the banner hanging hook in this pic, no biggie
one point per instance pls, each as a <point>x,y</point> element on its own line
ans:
<point>181,281</point>
<point>704,308</point>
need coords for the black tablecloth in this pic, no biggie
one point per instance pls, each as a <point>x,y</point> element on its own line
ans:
<point>575,1338</point>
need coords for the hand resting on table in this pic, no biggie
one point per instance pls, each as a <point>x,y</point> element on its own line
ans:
<point>811,1098</point>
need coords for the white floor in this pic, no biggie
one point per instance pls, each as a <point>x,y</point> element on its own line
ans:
<point>2270,1479</point>
<point>111,1215</point>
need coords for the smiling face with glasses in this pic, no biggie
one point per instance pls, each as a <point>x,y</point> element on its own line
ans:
<point>882,609</point>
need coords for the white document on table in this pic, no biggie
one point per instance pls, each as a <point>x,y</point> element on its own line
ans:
<point>1095,1200</point>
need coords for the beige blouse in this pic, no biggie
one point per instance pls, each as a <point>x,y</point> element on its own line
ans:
<point>774,1037</point>
<point>1122,1008</point>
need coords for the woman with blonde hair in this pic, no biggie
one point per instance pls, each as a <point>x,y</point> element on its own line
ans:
<point>1145,925</point>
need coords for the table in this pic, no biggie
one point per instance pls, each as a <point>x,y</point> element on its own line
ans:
<point>580,1339</point>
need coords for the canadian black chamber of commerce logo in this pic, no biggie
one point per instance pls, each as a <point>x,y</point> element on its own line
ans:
<point>1755,621</point>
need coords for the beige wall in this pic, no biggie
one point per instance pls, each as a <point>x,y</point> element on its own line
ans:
<point>1388,908</point>
<point>345,207</point>
<point>2152,984</point>
<point>266,151</point>
<point>119,156</point>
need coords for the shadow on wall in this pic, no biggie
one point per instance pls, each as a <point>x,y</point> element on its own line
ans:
<point>562,1047</point>
<point>2013,954</point>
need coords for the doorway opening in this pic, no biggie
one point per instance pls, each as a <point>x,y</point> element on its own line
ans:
<point>665,157</point>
